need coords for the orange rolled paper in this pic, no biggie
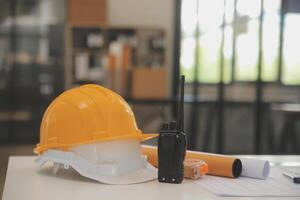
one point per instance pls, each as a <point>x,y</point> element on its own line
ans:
<point>219,165</point>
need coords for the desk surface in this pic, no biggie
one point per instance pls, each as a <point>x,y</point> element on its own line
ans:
<point>24,180</point>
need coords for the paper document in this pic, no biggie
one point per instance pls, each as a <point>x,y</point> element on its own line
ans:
<point>275,185</point>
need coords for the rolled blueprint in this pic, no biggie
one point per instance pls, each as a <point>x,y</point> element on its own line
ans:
<point>218,165</point>
<point>255,168</point>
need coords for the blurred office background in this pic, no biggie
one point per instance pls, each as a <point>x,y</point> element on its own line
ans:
<point>240,58</point>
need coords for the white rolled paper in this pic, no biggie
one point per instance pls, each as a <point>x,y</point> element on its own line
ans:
<point>255,168</point>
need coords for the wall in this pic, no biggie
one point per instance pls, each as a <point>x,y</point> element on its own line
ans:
<point>153,13</point>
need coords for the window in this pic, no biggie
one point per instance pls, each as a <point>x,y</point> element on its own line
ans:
<point>291,48</point>
<point>241,41</point>
<point>270,40</point>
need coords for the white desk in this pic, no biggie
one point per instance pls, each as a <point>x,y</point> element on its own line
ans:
<point>24,180</point>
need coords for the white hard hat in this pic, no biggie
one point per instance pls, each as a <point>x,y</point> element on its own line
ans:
<point>111,162</point>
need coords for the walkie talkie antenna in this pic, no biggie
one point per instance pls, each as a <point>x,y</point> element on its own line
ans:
<point>180,112</point>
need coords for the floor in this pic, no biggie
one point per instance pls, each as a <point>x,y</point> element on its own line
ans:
<point>10,150</point>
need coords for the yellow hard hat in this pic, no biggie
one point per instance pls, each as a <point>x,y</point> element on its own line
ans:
<point>87,114</point>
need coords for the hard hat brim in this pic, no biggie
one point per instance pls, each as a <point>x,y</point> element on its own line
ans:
<point>40,148</point>
<point>147,173</point>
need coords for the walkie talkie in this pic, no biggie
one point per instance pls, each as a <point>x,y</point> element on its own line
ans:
<point>172,146</point>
